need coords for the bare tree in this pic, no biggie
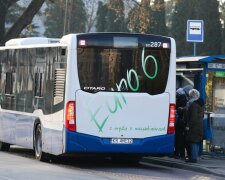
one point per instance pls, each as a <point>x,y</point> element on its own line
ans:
<point>24,20</point>
<point>91,9</point>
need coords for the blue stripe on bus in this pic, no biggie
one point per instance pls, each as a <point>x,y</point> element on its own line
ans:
<point>77,142</point>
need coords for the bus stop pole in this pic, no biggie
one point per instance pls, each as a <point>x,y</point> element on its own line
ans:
<point>194,48</point>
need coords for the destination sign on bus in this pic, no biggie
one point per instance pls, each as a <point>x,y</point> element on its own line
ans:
<point>121,40</point>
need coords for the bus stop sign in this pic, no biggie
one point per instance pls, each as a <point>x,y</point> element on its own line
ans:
<point>195,31</point>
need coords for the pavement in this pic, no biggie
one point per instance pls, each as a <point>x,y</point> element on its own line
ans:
<point>207,164</point>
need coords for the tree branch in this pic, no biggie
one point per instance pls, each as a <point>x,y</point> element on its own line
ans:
<point>24,20</point>
<point>135,1</point>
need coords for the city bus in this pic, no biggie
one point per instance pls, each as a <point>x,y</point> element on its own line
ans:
<point>89,93</point>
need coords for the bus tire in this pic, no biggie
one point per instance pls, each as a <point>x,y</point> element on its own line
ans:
<point>4,146</point>
<point>39,154</point>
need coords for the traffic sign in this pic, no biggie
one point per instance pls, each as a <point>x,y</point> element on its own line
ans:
<point>195,31</point>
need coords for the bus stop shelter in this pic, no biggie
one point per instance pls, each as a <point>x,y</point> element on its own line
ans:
<point>207,74</point>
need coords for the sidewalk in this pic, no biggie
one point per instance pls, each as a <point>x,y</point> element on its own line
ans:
<point>214,165</point>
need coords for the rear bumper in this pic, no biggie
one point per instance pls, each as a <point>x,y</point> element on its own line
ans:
<point>82,143</point>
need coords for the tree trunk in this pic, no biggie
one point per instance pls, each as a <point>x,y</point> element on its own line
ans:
<point>2,23</point>
<point>4,6</point>
<point>24,20</point>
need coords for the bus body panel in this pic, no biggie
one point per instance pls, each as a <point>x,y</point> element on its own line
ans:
<point>171,86</point>
<point>18,128</point>
<point>82,143</point>
<point>126,115</point>
<point>52,131</point>
<point>32,68</point>
<point>56,127</point>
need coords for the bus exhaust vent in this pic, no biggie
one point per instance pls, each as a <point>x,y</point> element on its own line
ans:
<point>59,85</point>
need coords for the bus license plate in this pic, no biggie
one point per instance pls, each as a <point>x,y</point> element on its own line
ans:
<point>121,141</point>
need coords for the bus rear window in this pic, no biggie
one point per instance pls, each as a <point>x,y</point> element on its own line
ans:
<point>123,69</point>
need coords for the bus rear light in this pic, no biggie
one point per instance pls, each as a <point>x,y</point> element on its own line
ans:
<point>172,116</point>
<point>70,118</point>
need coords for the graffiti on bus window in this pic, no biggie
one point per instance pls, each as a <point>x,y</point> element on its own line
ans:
<point>132,76</point>
<point>119,101</point>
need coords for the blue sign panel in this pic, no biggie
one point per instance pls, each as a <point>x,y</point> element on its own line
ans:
<point>195,31</point>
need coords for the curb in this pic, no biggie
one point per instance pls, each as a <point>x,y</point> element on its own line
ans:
<point>180,165</point>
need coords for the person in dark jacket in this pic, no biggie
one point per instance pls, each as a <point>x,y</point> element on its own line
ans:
<point>195,113</point>
<point>181,101</point>
<point>182,96</point>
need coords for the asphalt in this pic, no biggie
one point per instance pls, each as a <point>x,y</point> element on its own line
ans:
<point>208,164</point>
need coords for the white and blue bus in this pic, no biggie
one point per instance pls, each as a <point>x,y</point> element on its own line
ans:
<point>104,93</point>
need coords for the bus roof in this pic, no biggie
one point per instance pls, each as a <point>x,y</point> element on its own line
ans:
<point>31,41</point>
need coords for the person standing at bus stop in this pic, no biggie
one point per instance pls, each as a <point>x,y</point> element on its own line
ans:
<point>194,126</point>
<point>181,101</point>
<point>182,96</point>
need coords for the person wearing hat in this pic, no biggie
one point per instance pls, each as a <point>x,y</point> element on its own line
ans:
<point>195,115</point>
<point>187,89</point>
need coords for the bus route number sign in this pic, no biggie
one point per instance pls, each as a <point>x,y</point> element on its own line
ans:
<point>121,141</point>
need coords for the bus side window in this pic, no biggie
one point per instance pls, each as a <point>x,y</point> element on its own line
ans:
<point>38,85</point>
<point>9,83</point>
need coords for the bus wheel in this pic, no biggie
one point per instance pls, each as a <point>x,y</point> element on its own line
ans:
<point>4,146</point>
<point>39,155</point>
